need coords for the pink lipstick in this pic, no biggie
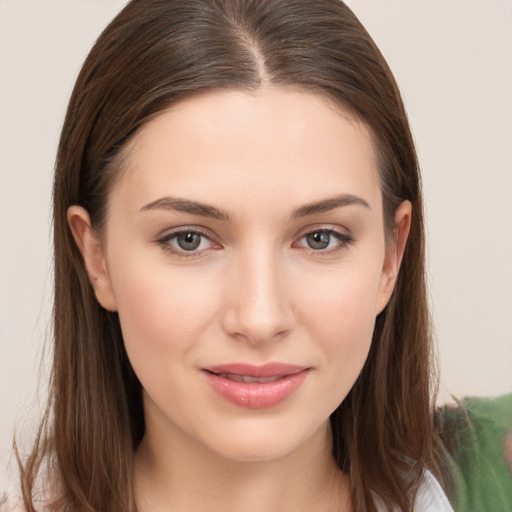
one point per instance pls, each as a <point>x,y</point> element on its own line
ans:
<point>255,387</point>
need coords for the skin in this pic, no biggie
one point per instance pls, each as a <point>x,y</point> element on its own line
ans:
<point>253,291</point>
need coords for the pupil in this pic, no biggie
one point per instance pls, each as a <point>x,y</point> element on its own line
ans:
<point>319,240</point>
<point>189,241</point>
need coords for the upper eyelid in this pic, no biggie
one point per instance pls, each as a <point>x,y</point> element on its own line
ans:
<point>333,232</point>
<point>323,227</point>
<point>207,233</point>
<point>169,233</point>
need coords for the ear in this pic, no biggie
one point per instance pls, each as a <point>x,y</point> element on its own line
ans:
<point>394,255</point>
<point>92,252</point>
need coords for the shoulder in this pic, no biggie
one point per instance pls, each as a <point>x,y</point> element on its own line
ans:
<point>431,497</point>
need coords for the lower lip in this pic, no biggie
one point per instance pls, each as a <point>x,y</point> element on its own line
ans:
<point>256,395</point>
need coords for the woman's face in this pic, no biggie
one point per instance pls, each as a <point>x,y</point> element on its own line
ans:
<point>244,251</point>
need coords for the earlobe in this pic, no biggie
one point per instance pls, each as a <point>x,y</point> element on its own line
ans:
<point>93,254</point>
<point>394,254</point>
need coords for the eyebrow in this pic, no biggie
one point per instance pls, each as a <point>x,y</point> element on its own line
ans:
<point>187,206</point>
<point>326,205</point>
<point>206,210</point>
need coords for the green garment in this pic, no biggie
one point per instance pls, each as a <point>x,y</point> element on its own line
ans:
<point>478,439</point>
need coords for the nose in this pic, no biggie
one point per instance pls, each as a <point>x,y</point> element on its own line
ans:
<point>258,308</point>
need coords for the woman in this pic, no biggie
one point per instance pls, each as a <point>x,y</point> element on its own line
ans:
<point>240,315</point>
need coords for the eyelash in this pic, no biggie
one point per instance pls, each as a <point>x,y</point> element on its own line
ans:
<point>164,242</point>
<point>344,241</point>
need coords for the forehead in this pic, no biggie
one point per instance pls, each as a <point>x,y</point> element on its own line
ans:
<point>272,144</point>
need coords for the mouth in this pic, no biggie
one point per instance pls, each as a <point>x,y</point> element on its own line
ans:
<point>255,387</point>
<point>248,379</point>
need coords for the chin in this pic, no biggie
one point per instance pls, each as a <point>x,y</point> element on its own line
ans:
<point>260,441</point>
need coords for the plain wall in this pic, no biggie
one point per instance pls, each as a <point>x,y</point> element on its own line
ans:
<point>452,60</point>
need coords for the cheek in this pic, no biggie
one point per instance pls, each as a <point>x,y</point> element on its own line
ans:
<point>340,317</point>
<point>347,330</point>
<point>162,312</point>
<point>341,304</point>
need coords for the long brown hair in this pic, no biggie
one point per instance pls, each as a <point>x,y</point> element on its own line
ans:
<point>153,54</point>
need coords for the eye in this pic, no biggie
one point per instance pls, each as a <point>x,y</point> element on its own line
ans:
<point>189,241</point>
<point>186,241</point>
<point>325,240</point>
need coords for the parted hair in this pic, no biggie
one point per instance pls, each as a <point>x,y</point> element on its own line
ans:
<point>152,55</point>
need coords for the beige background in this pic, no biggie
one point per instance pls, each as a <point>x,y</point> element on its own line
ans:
<point>452,59</point>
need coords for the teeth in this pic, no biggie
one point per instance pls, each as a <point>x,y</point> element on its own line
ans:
<point>247,379</point>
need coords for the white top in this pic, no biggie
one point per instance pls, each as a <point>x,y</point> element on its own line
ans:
<point>430,497</point>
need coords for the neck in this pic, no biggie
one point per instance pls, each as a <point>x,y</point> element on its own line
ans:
<point>181,475</point>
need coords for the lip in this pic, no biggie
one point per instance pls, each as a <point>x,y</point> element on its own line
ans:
<point>280,380</point>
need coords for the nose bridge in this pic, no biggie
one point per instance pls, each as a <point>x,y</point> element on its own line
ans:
<point>259,309</point>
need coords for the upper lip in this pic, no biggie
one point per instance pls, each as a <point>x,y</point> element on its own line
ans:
<point>261,371</point>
